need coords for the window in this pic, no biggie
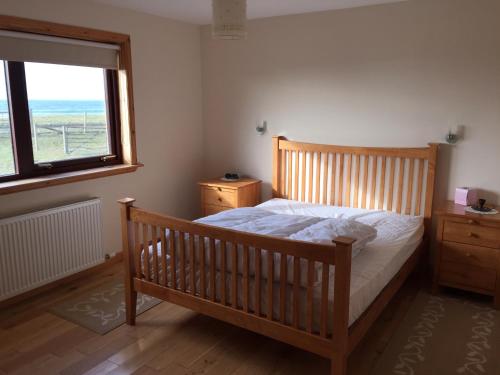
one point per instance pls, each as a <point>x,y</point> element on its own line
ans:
<point>68,112</point>
<point>7,165</point>
<point>62,118</point>
<point>65,104</point>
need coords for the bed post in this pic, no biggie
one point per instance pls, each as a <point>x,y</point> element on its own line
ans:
<point>277,162</point>
<point>429,194</point>
<point>342,289</point>
<point>127,248</point>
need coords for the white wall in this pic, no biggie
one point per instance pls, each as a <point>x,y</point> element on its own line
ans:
<point>167,89</point>
<point>391,75</point>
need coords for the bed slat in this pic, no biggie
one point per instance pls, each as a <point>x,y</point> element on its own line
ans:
<point>310,179</point>
<point>289,185</point>
<point>203,271</point>
<point>163,242</point>
<point>333,186</point>
<point>317,199</point>
<point>399,201</point>
<point>296,291</point>
<point>182,260</point>
<point>309,296</point>
<point>347,201</point>
<point>138,251</point>
<point>325,177</point>
<point>223,260</point>
<point>373,182</point>
<point>145,247</point>
<point>357,167</point>
<point>282,188</point>
<point>283,282</point>
<point>324,299</point>
<point>234,275</point>
<point>409,194</point>
<point>192,264</point>
<point>365,181</point>
<point>172,259</point>
<point>154,244</point>
<point>381,195</point>
<point>390,198</point>
<point>211,244</point>
<point>270,278</point>
<point>296,177</point>
<point>418,203</point>
<point>257,281</point>
<point>246,278</point>
<point>303,173</point>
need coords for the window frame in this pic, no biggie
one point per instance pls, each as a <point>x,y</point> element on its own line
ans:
<point>22,137</point>
<point>120,110</point>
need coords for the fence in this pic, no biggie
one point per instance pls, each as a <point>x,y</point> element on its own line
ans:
<point>80,134</point>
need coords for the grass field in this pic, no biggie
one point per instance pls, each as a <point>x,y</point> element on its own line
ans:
<point>52,145</point>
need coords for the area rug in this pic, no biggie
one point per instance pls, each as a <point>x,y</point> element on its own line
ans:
<point>101,309</point>
<point>444,335</point>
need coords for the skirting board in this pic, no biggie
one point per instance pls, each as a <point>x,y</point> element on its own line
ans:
<point>54,284</point>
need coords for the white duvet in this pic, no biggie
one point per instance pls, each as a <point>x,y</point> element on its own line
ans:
<point>291,226</point>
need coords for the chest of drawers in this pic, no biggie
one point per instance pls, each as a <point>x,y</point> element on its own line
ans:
<point>217,195</point>
<point>468,253</point>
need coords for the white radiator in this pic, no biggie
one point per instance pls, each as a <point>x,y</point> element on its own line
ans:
<point>44,246</point>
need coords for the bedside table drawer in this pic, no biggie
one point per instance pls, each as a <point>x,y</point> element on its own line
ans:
<point>472,234</point>
<point>469,254</point>
<point>219,197</point>
<point>471,277</point>
<point>210,209</point>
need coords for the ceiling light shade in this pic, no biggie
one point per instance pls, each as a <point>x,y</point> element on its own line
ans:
<point>229,19</point>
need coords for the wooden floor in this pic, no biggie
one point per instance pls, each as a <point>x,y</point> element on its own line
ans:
<point>167,340</point>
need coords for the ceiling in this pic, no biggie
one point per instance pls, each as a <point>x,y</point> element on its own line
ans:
<point>199,11</point>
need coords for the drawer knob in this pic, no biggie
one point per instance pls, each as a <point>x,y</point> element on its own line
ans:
<point>219,189</point>
<point>219,199</point>
<point>468,255</point>
<point>470,221</point>
<point>473,235</point>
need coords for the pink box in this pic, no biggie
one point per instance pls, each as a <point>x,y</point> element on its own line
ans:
<point>465,196</point>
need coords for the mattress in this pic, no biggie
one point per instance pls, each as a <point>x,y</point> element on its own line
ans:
<point>398,236</point>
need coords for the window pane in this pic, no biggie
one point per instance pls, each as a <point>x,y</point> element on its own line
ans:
<point>68,111</point>
<point>7,165</point>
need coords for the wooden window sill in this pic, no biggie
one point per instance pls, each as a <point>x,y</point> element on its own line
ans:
<point>65,178</point>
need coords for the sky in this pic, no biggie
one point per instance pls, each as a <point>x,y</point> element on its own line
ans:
<point>3,94</point>
<point>60,82</point>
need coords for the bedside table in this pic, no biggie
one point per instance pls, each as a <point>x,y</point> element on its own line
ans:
<point>468,253</point>
<point>218,195</point>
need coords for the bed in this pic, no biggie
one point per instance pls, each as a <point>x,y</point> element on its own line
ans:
<point>314,295</point>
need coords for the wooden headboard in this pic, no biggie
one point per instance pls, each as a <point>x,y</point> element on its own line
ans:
<point>394,179</point>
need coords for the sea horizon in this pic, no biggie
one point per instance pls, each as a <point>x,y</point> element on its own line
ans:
<point>62,106</point>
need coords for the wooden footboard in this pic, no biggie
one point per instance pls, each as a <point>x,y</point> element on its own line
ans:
<point>182,277</point>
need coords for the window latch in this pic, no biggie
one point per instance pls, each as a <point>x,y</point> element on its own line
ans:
<point>108,157</point>
<point>45,165</point>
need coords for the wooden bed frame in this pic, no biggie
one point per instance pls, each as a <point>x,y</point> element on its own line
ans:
<point>395,179</point>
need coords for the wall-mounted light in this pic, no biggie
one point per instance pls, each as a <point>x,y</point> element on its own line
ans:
<point>261,127</point>
<point>451,138</point>
<point>455,135</point>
